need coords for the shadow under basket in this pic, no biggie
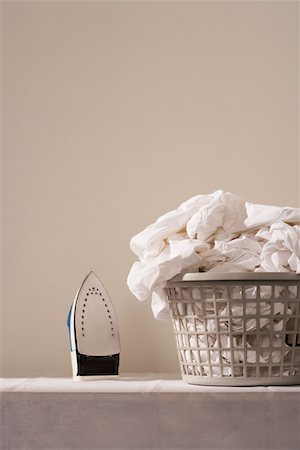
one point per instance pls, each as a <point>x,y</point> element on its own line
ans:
<point>237,329</point>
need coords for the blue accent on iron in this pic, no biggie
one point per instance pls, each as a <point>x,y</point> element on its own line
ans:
<point>69,326</point>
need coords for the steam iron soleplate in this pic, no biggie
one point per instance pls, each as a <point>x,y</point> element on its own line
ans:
<point>94,333</point>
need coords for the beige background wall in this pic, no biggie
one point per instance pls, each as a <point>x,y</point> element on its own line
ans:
<point>115,113</point>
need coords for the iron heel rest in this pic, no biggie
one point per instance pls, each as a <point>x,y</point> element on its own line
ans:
<point>93,332</point>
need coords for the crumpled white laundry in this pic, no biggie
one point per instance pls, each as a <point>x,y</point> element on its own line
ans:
<point>214,232</point>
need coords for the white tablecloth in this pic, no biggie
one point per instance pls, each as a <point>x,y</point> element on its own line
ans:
<point>146,412</point>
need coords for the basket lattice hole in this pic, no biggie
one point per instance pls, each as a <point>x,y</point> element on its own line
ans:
<point>290,339</point>
<point>251,308</point>
<point>236,309</point>
<point>293,339</point>
<point>208,293</point>
<point>186,294</point>
<point>182,356</point>
<point>265,308</point>
<point>237,356</point>
<point>173,309</point>
<point>279,292</point>
<point>240,341</point>
<point>184,341</point>
<point>222,308</point>
<point>251,292</point>
<point>292,292</point>
<point>263,372</point>
<point>292,306</point>
<point>209,307</point>
<point>265,341</point>
<point>279,310</point>
<point>264,323</point>
<point>223,324</point>
<point>276,356</point>
<point>196,294</point>
<point>251,356</point>
<point>226,355</point>
<point>278,341</point>
<point>220,292</point>
<point>181,308</point>
<point>198,308</point>
<point>291,325</point>
<point>236,292</point>
<point>266,291</point>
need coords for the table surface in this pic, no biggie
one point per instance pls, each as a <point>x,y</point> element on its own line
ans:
<point>145,412</point>
<point>127,383</point>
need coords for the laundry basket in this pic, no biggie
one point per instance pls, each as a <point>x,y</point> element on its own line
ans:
<point>237,329</point>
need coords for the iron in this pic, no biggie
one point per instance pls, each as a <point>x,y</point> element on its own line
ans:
<point>93,331</point>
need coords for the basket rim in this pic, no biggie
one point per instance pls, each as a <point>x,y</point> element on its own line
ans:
<point>234,276</point>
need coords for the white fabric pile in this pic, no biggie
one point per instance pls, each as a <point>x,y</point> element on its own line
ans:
<point>215,232</point>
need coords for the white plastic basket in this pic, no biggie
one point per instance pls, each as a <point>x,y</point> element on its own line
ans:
<point>239,329</point>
